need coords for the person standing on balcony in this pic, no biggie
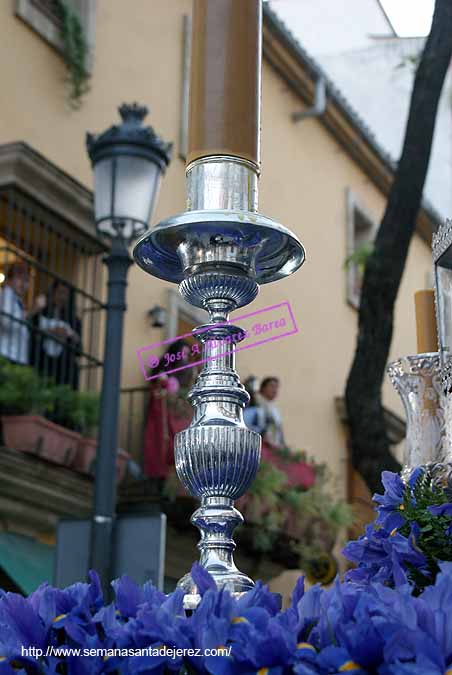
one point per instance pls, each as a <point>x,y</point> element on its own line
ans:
<point>14,328</point>
<point>253,414</point>
<point>300,473</point>
<point>272,434</point>
<point>56,340</point>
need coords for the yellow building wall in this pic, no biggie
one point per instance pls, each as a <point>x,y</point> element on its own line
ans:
<point>305,174</point>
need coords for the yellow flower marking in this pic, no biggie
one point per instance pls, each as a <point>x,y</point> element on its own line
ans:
<point>393,532</point>
<point>305,645</point>
<point>263,671</point>
<point>448,672</point>
<point>402,507</point>
<point>349,665</point>
<point>59,617</point>
<point>239,619</point>
<point>222,648</point>
<point>3,658</point>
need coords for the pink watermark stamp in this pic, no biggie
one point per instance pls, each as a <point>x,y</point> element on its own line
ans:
<point>255,328</point>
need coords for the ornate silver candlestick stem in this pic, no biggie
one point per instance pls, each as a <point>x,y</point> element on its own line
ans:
<point>219,251</point>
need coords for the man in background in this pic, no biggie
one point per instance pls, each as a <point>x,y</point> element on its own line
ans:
<point>272,434</point>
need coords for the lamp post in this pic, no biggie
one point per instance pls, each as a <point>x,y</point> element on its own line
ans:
<point>128,161</point>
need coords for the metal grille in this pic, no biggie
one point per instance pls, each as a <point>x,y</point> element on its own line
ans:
<point>55,324</point>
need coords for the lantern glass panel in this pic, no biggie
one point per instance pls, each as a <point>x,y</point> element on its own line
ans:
<point>125,191</point>
<point>103,185</point>
<point>443,280</point>
<point>137,182</point>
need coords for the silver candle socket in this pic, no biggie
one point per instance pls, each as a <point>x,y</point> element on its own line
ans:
<point>219,251</point>
<point>417,380</point>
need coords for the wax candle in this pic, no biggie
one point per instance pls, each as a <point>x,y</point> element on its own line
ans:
<point>427,336</point>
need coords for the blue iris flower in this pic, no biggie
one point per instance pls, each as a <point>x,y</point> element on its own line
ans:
<point>337,660</point>
<point>383,556</point>
<point>390,504</point>
<point>19,627</point>
<point>71,609</point>
<point>357,628</point>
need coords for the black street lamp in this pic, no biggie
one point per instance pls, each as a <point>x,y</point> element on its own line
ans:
<point>128,161</point>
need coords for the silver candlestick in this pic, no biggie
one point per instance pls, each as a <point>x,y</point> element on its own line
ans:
<point>219,251</point>
<point>417,379</point>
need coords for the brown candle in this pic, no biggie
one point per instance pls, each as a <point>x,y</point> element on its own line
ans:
<point>427,336</point>
<point>225,79</point>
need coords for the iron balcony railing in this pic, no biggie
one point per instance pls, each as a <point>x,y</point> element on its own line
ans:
<point>53,319</point>
<point>133,415</point>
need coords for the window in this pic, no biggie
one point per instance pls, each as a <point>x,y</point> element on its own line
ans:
<point>182,317</point>
<point>47,227</point>
<point>43,17</point>
<point>361,230</point>
<point>66,273</point>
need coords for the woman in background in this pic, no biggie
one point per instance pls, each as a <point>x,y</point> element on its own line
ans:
<point>56,339</point>
<point>168,410</point>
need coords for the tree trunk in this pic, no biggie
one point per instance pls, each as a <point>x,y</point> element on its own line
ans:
<point>369,440</point>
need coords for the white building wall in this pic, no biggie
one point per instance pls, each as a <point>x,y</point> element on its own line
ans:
<point>353,42</point>
<point>333,26</point>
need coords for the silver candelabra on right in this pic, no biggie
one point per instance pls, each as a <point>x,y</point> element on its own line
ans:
<point>424,381</point>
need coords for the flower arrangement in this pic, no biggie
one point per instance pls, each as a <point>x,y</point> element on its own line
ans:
<point>391,616</point>
<point>348,628</point>
<point>411,536</point>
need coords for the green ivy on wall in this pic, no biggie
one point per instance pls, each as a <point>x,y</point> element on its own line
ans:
<point>75,53</point>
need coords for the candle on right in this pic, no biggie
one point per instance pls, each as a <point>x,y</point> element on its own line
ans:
<point>426,330</point>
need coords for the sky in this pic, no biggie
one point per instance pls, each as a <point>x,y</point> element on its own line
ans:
<point>409,17</point>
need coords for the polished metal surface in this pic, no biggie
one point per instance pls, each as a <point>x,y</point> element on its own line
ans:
<point>219,293</point>
<point>442,240</point>
<point>221,230</point>
<point>219,251</point>
<point>252,242</point>
<point>225,183</point>
<point>217,457</point>
<point>417,379</point>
